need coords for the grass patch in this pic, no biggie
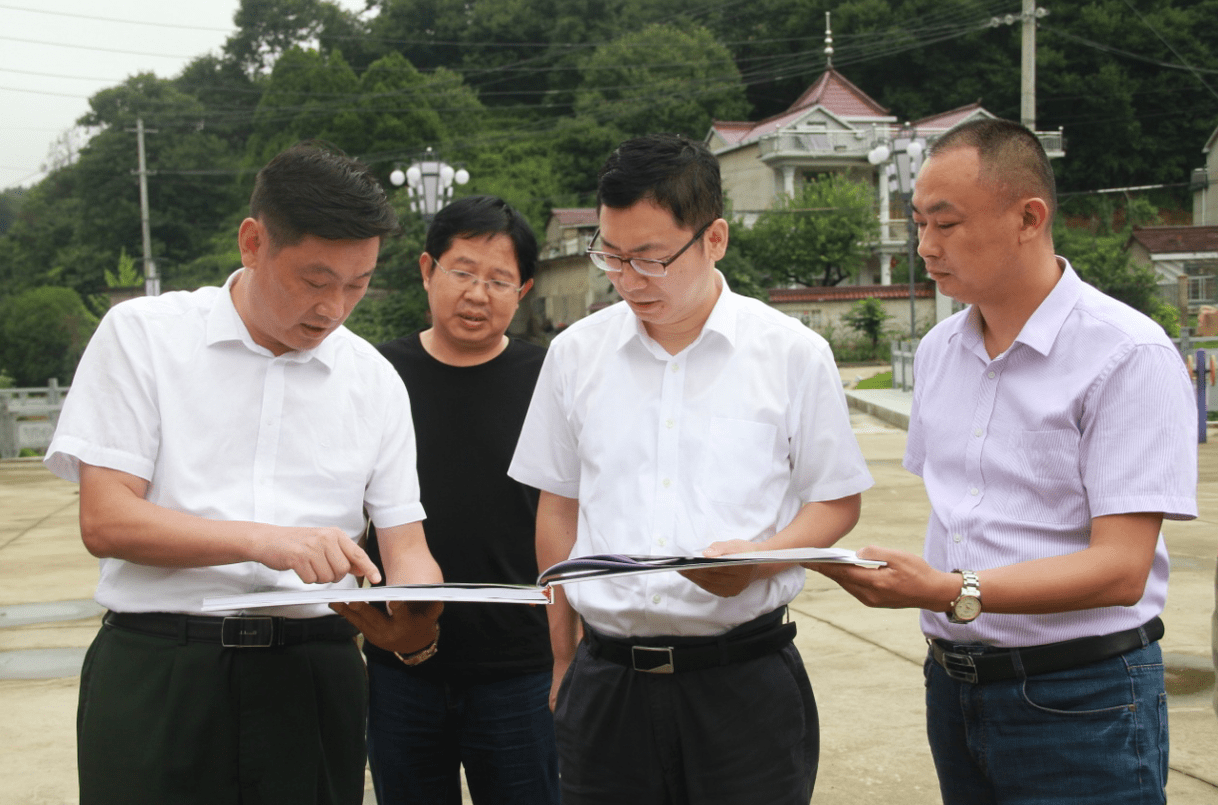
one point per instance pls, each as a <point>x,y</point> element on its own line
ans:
<point>881,381</point>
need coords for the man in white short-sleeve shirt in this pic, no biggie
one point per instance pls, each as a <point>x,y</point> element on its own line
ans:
<point>1054,429</point>
<point>229,441</point>
<point>684,419</point>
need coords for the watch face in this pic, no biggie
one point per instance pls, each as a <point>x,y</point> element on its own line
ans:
<point>967,608</point>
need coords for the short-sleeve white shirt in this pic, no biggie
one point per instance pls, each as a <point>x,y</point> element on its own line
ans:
<point>174,390</point>
<point>668,453</point>
<point>1088,413</point>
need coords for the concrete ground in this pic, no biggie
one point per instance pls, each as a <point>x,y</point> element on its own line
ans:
<point>865,664</point>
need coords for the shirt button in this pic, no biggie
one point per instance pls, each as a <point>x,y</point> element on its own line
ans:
<point>655,599</point>
<point>667,483</point>
<point>669,423</point>
<point>973,491</point>
<point>977,432</point>
<point>675,368</point>
<point>990,375</point>
<point>661,542</point>
<point>956,537</point>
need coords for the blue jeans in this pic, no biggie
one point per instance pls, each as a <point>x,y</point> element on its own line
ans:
<point>421,732</point>
<point>1095,735</point>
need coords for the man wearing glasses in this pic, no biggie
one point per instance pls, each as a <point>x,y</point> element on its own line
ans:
<point>481,700</point>
<point>685,419</point>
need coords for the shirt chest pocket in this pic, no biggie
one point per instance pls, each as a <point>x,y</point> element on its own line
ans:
<point>738,460</point>
<point>1043,481</point>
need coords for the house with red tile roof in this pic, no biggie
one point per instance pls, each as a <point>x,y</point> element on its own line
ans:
<point>566,286</point>
<point>1180,255</point>
<point>831,127</point>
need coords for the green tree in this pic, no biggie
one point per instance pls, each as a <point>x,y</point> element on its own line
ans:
<point>10,206</point>
<point>125,274</point>
<point>389,113</point>
<point>75,223</point>
<point>396,303</point>
<point>741,275</point>
<point>1100,257</point>
<point>664,78</point>
<point>818,237</point>
<point>309,95</point>
<point>266,29</point>
<point>44,331</point>
<point>868,317</point>
<point>402,110</point>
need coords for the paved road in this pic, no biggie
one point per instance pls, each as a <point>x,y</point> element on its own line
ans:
<point>865,664</point>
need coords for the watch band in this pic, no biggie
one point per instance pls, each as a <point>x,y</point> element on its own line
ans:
<point>967,605</point>
<point>425,653</point>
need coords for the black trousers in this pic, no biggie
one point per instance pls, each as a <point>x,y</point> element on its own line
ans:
<point>165,722</point>
<point>739,734</point>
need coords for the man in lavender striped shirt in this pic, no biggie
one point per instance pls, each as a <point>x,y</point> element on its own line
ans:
<point>1054,429</point>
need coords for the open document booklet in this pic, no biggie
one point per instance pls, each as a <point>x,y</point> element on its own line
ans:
<point>582,568</point>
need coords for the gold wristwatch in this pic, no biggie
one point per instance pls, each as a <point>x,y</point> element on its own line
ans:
<point>425,653</point>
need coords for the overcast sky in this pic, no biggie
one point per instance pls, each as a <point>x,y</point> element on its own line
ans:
<point>55,54</point>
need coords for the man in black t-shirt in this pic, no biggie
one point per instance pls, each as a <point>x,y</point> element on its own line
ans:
<point>481,701</point>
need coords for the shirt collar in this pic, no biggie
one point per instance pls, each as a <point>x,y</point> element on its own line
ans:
<point>224,324</point>
<point>1041,329</point>
<point>722,320</point>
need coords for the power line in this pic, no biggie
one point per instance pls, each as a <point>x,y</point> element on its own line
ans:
<point>1100,46</point>
<point>46,92</point>
<point>91,47</point>
<point>1172,48</point>
<point>113,19</point>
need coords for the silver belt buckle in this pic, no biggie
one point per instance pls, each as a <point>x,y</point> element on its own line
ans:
<point>655,659</point>
<point>247,631</point>
<point>960,667</point>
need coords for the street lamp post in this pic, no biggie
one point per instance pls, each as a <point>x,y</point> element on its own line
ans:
<point>430,183</point>
<point>904,158</point>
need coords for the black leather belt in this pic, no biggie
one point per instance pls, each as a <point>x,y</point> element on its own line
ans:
<point>670,655</point>
<point>980,664</point>
<point>235,631</point>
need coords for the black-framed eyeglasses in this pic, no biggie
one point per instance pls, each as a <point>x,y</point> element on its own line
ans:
<point>613,263</point>
<point>468,280</point>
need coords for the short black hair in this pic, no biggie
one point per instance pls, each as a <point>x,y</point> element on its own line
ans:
<point>1011,155</point>
<point>314,189</point>
<point>475,216</point>
<point>676,173</point>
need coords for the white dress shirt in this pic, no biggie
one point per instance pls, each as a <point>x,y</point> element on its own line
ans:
<point>1089,413</point>
<point>174,390</point>
<point>669,453</point>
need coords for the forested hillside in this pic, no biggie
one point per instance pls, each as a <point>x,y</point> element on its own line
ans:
<point>530,95</point>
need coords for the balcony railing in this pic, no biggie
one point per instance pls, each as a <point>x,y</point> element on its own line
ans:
<point>816,143</point>
<point>796,144</point>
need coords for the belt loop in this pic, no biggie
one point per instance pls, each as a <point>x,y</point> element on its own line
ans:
<point>1017,663</point>
<point>1142,634</point>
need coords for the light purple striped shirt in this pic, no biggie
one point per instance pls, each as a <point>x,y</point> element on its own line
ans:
<point>1090,412</point>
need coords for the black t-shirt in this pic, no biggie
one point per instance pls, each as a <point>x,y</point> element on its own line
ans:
<point>480,522</point>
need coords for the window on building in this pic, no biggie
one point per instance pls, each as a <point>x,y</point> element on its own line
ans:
<point>1202,281</point>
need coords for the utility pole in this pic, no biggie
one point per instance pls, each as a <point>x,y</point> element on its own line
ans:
<point>152,283</point>
<point>1027,61</point>
<point>1027,73</point>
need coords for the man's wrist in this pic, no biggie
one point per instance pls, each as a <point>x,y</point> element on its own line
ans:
<point>423,654</point>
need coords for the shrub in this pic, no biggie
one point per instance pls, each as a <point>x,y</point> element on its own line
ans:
<point>43,332</point>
